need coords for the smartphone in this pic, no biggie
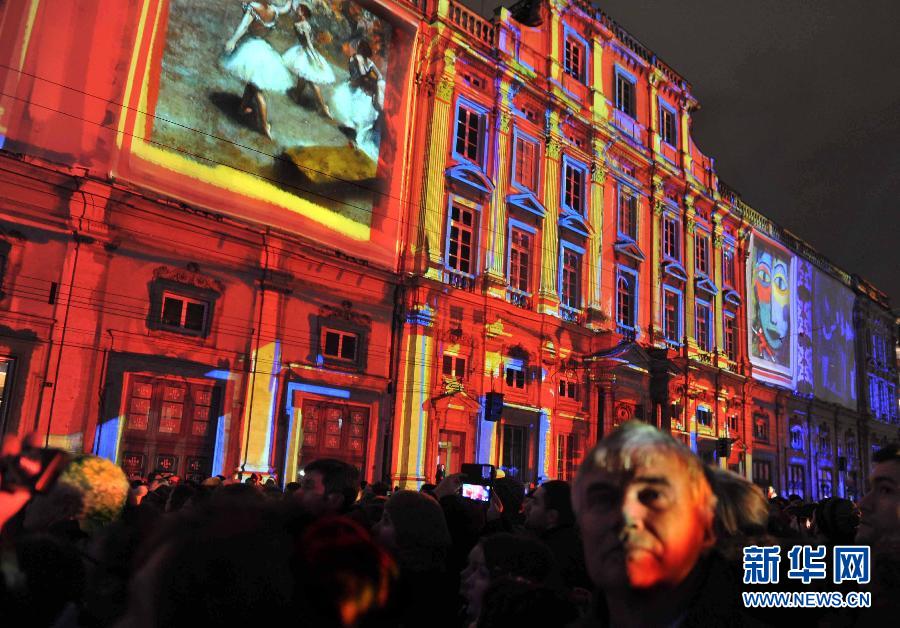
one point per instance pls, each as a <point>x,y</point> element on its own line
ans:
<point>476,492</point>
<point>33,469</point>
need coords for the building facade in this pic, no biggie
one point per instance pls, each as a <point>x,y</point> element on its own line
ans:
<point>512,246</point>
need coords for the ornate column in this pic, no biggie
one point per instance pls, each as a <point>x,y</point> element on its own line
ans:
<point>594,257</point>
<point>413,392</point>
<point>554,71</point>
<point>689,305</point>
<point>496,249</point>
<point>548,295</point>
<point>599,108</point>
<point>719,323</point>
<point>685,137</point>
<point>436,151</point>
<point>656,205</point>
<point>655,79</point>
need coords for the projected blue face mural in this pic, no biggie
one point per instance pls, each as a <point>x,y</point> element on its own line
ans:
<point>833,346</point>
<point>770,305</point>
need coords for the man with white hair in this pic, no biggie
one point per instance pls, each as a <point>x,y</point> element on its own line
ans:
<point>646,514</point>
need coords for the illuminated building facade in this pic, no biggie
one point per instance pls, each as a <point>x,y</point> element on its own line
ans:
<point>510,247</point>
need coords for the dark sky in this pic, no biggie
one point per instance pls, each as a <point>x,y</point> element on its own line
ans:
<point>800,108</point>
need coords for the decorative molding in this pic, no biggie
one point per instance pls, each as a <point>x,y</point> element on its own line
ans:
<point>630,249</point>
<point>690,225</point>
<point>658,208</point>
<point>189,276</point>
<point>345,312</point>
<point>528,202</point>
<point>444,88</point>
<point>504,121</point>
<point>470,177</point>
<point>554,148</point>
<point>598,172</point>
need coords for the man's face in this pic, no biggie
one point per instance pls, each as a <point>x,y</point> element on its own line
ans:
<point>881,506</point>
<point>536,514</point>
<point>770,283</point>
<point>644,531</point>
<point>312,493</point>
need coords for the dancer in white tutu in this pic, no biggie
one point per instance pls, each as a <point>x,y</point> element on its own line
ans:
<point>358,103</point>
<point>255,61</point>
<point>306,62</point>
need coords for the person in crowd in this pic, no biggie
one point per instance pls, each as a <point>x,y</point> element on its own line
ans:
<point>499,556</point>
<point>551,517</point>
<point>413,528</point>
<point>514,603</point>
<point>880,507</point>
<point>506,512</point>
<point>329,486</point>
<point>647,512</point>
<point>836,520</point>
<point>180,496</point>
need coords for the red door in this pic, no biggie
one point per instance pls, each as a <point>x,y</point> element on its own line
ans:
<point>335,430</point>
<point>169,426</point>
<point>451,450</point>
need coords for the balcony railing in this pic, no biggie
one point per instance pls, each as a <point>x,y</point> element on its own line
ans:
<point>519,299</point>
<point>571,315</point>
<point>472,23</point>
<point>459,280</point>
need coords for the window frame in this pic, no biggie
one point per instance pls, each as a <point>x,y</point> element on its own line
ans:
<point>475,229</point>
<point>761,418</point>
<point>455,361</point>
<point>570,163</point>
<point>701,235</point>
<point>670,218</point>
<point>707,412</point>
<point>185,300</point>
<point>518,134</point>
<point>620,74</point>
<point>565,245</point>
<point>679,314</point>
<point>570,35</point>
<point>665,107</point>
<point>700,303</point>
<point>630,276</point>
<point>517,365</point>
<point>159,288</point>
<point>731,342</point>
<point>728,270</point>
<point>482,112</point>
<point>514,224</point>
<point>627,193</point>
<point>326,329</point>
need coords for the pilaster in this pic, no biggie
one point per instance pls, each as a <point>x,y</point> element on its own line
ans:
<point>496,254</point>
<point>548,296</point>
<point>689,304</point>
<point>656,205</point>
<point>594,257</point>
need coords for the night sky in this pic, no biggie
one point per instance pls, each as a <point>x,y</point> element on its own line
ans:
<point>800,108</point>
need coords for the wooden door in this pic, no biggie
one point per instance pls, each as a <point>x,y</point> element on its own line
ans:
<point>169,426</point>
<point>451,450</point>
<point>335,430</point>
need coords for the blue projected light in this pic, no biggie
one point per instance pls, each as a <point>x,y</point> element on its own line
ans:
<point>219,374</point>
<point>325,391</point>
<point>106,439</point>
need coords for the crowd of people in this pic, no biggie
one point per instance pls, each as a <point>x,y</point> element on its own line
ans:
<point>644,536</point>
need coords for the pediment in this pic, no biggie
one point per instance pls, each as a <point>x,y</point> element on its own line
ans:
<point>732,297</point>
<point>703,283</point>
<point>630,249</point>
<point>576,223</point>
<point>527,202</point>
<point>675,270</point>
<point>466,177</point>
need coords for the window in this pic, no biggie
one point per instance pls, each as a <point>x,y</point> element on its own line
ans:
<point>471,125</point>
<point>570,282</point>
<point>462,239</point>
<point>671,249</point>
<point>568,389</point>
<point>667,126</point>
<point>728,266</point>
<point>704,417</point>
<point>672,315</point>
<point>515,375</point>
<point>625,93</point>
<point>825,483</point>
<point>454,366</point>
<point>573,190</point>
<point>824,442</point>
<point>797,438</point>
<point>703,331</point>
<point>628,214</point>
<point>733,423</point>
<point>526,160</point>
<point>796,480</point>
<point>180,313</point>
<point>574,59</point>
<point>730,337</point>
<point>568,456</point>
<point>701,261</point>
<point>761,427</point>
<point>339,345</point>
<point>762,473</point>
<point>626,310</point>
<point>520,242</point>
